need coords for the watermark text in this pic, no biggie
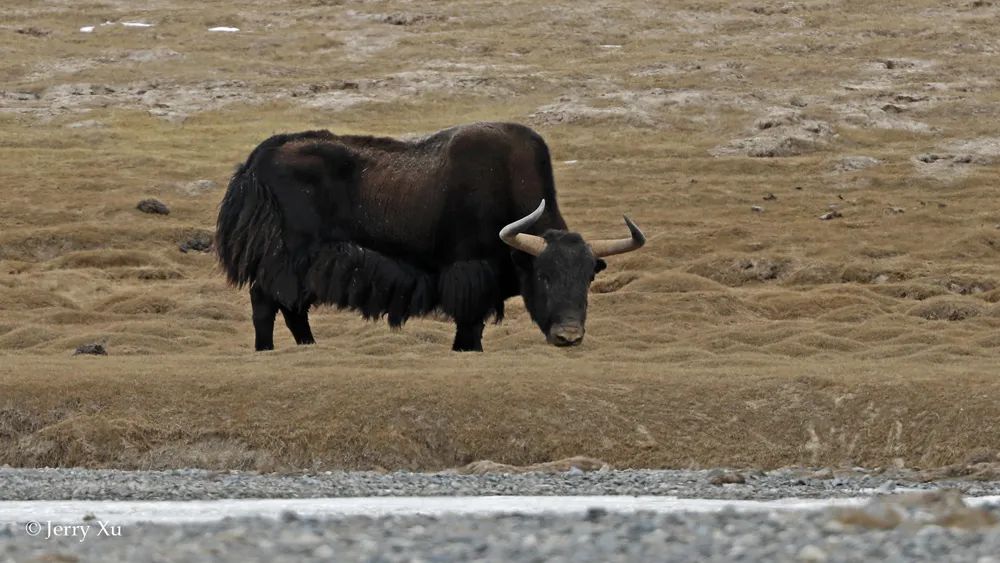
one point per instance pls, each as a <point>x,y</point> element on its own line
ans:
<point>93,529</point>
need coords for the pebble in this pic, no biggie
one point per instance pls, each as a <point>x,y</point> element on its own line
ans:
<point>613,538</point>
<point>811,553</point>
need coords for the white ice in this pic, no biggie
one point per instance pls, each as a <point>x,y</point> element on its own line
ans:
<point>225,29</point>
<point>87,29</point>
<point>125,512</point>
<point>137,24</point>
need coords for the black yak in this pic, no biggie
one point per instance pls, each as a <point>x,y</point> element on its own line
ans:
<point>396,229</point>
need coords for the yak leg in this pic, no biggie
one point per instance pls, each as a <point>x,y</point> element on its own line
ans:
<point>468,337</point>
<point>264,311</point>
<point>298,322</point>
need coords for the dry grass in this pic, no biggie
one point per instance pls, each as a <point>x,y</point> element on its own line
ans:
<point>735,338</point>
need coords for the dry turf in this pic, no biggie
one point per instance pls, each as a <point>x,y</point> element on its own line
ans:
<point>749,332</point>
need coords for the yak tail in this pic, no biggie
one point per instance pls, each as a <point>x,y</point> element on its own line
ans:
<point>248,233</point>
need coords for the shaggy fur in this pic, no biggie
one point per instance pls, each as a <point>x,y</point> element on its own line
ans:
<point>392,228</point>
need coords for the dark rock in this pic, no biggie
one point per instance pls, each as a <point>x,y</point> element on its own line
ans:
<point>893,64</point>
<point>33,31</point>
<point>91,349</point>
<point>200,242</point>
<point>403,19</point>
<point>153,206</point>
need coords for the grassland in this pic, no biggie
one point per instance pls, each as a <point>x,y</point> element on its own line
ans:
<point>736,337</point>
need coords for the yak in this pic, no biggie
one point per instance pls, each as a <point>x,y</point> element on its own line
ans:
<point>452,223</point>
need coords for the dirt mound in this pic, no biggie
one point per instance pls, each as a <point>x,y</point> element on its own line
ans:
<point>105,259</point>
<point>26,337</point>
<point>139,305</point>
<point>214,311</point>
<point>23,299</point>
<point>672,282</point>
<point>735,271</point>
<point>568,110</point>
<point>782,305</point>
<point>780,135</point>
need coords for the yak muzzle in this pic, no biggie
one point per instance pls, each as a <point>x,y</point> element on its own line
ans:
<point>566,335</point>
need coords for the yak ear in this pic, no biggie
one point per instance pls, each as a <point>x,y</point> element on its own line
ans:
<point>600,265</point>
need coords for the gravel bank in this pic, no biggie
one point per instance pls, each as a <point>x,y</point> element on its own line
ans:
<point>906,527</point>
<point>595,536</point>
<point>191,484</point>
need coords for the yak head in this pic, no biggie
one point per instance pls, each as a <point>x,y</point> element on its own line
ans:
<point>555,271</point>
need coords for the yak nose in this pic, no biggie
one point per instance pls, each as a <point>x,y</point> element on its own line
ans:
<point>567,335</point>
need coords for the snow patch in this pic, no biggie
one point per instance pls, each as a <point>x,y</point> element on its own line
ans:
<point>90,28</point>
<point>224,29</point>
<point>125,512</point>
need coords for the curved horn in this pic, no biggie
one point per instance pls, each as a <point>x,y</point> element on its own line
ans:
<point>602,248</point>
<point>512,235</point>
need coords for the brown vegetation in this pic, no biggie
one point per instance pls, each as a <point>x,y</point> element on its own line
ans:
<point>736,337</point>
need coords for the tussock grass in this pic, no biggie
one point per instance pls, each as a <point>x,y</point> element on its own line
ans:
<point>288,411</point>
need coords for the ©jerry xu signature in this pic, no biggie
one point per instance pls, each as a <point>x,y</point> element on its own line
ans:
<point>49,529</point>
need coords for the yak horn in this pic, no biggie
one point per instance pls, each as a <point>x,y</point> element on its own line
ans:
<point>512,235</point>
<point>602,248</point>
